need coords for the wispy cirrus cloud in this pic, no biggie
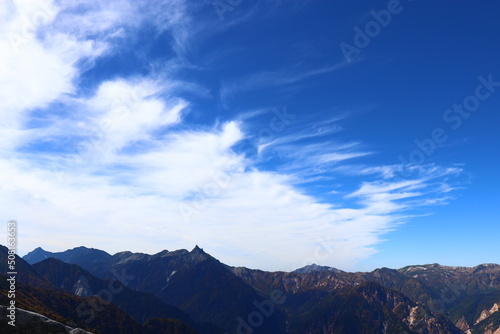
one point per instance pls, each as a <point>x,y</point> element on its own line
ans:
<point>266,79</point>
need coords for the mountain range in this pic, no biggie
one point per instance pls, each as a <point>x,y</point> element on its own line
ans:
<point>185,291</point>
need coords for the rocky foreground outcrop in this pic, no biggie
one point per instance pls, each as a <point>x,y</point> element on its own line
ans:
<point>27,322</point>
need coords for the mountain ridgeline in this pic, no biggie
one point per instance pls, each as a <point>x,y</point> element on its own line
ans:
<point>192,292</point>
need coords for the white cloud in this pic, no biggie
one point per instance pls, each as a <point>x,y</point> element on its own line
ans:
<point>38,63</point>
<point>126,112</point>
<point>185,162</point>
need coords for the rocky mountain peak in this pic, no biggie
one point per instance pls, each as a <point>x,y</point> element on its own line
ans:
<point>198,250</point>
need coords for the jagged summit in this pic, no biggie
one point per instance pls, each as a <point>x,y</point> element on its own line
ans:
<point>486,268</point>
<point>37,255</point>
<point>85,249</point>
<point>198,250</point>
<point>487,265</point>
<point>163,253</point>
<point>79,253</point>
<point>314,267</point>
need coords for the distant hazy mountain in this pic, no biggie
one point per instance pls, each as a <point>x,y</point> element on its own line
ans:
<point>87,258</point>
<point>426,299</point>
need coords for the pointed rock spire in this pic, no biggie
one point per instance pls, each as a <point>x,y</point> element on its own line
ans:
<point>198,250</point>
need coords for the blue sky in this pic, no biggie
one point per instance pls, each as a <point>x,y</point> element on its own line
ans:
<point>274,134</point>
